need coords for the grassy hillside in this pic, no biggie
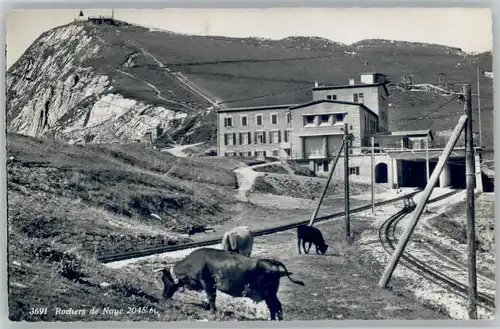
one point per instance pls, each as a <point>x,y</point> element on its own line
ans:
<point>245,72</point>
<point>68,203</point>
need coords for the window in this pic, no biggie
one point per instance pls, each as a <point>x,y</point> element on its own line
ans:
<point>258,120</point>
<point>286,135</point>
<point>274,119</point>
<point>288,118</point>
<point>259,153</point>
<point>339,117</point>
<point>242,154</point>
<point>358,98</point>
<point>244,121</point>
<point>275,153</point>
<point>260,137</point>
<point>275,136</point>
<point>323,119</point>
<point>287,151</point>
<point>230,154</point>
<point>416,144</point>
<point>354,171</point>
<point>230,139</point>
<point>309,120</point>
<point>244,138</point>
<point>331,97</point>
<point>228,122</point>
<point>328,96</point>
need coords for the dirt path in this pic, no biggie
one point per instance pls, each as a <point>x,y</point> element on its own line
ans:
<point>158,92</point>
<point>178,151</point>
<point>195,89</point>
<point>246,177</point>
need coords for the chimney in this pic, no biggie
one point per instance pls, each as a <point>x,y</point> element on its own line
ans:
<point>351,81</point>
<point>316,85</point>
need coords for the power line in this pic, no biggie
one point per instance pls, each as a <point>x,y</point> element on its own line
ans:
<point>433,111</point>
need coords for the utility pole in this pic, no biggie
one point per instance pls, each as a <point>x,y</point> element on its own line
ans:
<point>373,173</point>
<point>471,215</point>
<point>427,169</point>
<point>427,166</point>
<point>346,182</point>
<point>334,164</point>
<point>479,110</point>
<point>415,216</point>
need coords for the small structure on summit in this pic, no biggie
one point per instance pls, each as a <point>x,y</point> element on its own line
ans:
<point>107,20</point>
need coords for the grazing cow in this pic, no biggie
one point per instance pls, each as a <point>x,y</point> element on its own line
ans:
<point>238,240</point>
<point>237,275</point>
<point>306,233</point>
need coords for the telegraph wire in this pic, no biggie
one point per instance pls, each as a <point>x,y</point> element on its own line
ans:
<point>431,112</point>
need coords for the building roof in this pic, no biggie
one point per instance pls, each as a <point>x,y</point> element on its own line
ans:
<point>359,85</point>
<point>334,102</point>
<point>256,108</point>
<point>364,73</point>
<point>423,132</point>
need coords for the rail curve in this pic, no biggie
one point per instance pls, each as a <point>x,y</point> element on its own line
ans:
<point>387,237</point>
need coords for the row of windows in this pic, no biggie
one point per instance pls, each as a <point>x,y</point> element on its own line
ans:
<point>259,137</point>
<point>356,97</point>
<point>323,119</point>
<point>274,153</point>
<point>259,120</point>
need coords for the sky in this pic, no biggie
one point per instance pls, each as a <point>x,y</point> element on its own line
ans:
<point>466,28</point>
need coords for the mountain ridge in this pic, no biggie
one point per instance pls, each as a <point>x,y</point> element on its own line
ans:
<point>115,83</point>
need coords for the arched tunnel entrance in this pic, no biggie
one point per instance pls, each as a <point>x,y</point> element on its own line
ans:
<point>414,173</point>
<point>381,173</point>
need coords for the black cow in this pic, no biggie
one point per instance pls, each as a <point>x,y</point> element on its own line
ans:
<point>237,275</point>
<point>306,233</point>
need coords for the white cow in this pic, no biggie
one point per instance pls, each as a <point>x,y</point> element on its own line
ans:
<point>239,240</point>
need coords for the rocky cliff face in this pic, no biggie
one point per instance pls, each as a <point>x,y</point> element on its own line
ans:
<point>54,90</point>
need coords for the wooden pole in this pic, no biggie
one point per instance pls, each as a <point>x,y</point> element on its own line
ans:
<point>471,230</point>
<point>396,255</point>
<point>479,110</point>
<point>346,182</point>
<point>334,164</point>
<point>373,173</point>
<point>427,166</point>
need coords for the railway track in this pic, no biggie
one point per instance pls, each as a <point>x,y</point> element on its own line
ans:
<point>388,239</point>
<point>108,258</point>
